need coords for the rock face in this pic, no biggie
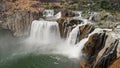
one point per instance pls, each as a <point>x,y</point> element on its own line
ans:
<point>94,44</point>
<point>18,16</point>
<point>85,30</point>
<point>68,13</point>
<point>19,22</point>
<point>66,25</point>
<point>102,50</point>
<point>109,56</point>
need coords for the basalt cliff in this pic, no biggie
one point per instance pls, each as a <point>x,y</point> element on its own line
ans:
<point>102,49</point>
<point>17,16</point>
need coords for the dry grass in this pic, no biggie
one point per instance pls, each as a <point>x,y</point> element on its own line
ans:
<point>24,5</point>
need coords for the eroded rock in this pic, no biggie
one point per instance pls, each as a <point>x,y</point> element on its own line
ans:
<point>66,25</point>
<point>17,16</point>
<point>102,51</point>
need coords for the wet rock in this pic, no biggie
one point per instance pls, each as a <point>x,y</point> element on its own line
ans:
<point>108,57</point>
<point>66,25</point>
<point>108,42</point>
<point>92,47</point>
<point>94,44</point>
<point>85,30</point>
<point>102,51</point>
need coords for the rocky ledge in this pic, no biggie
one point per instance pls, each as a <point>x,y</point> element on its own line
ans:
<point>17,15</point>
<point>102,49</point>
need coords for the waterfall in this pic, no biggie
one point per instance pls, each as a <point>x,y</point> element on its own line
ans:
<point>58,15</point>
<point>81,44</point>
<point>72,37</point>
<point>45,39</point>
<point>44,31</point>
<point>48,13</point>
<point>80,14</point>
<point>92,15</point>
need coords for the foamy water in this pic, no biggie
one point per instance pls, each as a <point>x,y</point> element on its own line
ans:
<point>45,39</point>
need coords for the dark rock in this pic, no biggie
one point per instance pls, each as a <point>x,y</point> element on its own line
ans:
<point>109,56</point>
<point>67,13</point>
<point>85,30</point>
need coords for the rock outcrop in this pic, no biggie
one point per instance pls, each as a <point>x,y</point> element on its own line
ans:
<point>102,51</point>
<point>66,24</point>
<point>18,15</point>
<point>19,22</point>
<point>85,30</point>
<point>68,13</point>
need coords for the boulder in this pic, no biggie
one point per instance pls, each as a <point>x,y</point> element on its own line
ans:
<point>67,13</point>
<point>102,51</point>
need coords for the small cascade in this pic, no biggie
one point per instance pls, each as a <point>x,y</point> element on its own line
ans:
<point>92,15</point>
<point>48,13</point>
<point>58,15</point>
<point>83,41</point>
<point>73,36</point>
<point>44,31</point>
<point>80,14</point>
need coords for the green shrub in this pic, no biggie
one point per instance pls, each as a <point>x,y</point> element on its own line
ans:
<point>85,12</point>
<point>72,7</point>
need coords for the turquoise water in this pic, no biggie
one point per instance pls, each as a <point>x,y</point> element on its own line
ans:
<point>9,58</point>
<point>37,61</point>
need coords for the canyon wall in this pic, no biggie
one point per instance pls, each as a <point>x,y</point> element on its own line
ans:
<point>102,49</point>
<point>18,16</point>
<point>19,22</point>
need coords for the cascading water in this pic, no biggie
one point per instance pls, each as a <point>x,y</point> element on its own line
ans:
<point>44,31</point>
<point>72,36</point>
<point>46,35</point>
<point>92,15</point>
<point>58,15</point>
<point>45,39</point>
